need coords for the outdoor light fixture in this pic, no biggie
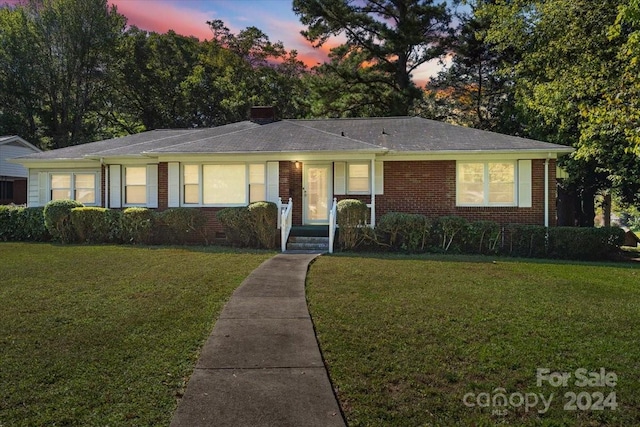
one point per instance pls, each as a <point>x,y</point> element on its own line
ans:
<point>297,164</point>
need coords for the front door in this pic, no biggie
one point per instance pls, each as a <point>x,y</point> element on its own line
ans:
<point>316,193</point>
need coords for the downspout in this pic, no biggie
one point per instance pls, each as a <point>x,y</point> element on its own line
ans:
<point>373,192</point>
<point>546,192</point>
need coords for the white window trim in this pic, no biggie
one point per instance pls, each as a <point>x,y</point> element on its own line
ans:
<point>200,203</point>
<point>97,182</point>
<point>486,183</point>
<point>124,187</point>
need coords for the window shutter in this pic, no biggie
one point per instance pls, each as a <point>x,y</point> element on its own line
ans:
<point>524,183</point>
<point>273,181</point>
<point>379,177</point>
<point>43,188</point>
<point>173,184</point>
<point>152,186</point>
<point>339,178</point>
<point>115,186</point>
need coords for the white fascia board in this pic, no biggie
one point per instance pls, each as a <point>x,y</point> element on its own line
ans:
<point>472,155</point>
<point>129,160</point>
<point>56,164</point>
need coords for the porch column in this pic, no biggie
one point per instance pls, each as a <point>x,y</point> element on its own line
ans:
<point>373,192</point>
<point>546,192</point>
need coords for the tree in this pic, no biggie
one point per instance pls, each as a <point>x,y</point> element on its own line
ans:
<point>386,40</point>
<point>64,48</point>
<point>565,67</point>
<point>472,90</point>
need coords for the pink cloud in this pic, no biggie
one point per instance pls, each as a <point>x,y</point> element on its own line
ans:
<point>159,16</point>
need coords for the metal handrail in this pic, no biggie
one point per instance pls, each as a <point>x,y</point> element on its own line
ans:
<point>286,223</point>
<point>333,218</point>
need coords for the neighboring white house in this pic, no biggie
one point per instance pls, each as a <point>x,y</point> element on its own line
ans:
<point>13,176</point>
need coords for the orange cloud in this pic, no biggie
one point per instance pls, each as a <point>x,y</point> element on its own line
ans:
<point>165,17</point>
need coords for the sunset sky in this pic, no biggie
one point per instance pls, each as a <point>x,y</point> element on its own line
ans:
<point>274,17</point>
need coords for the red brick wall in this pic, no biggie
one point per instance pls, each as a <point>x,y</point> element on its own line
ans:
<point>426,187</point>
<point>429,188</point>
<point>163,186</point>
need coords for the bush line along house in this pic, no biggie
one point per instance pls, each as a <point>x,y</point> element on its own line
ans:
<point>399,164</point>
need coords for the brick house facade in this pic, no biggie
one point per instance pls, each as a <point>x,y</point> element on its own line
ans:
<point>400,164</point>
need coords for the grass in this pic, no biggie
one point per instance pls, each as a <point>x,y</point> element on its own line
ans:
<point>106,335</point>
<point>405,339</point>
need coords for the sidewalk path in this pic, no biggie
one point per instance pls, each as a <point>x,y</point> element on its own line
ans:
<point>261,366</point>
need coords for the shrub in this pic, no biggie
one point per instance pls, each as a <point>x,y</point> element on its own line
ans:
<point>264,223</point>
<point>18,223</point>
<point>526,240</point>
<point>137,225</point>
<point>482,237</point>
<point>352,216</point>
<point>182,223</point>
<point>57,219</point>
<point>450,230</point>
<point>92,225</point>
<point>402,231</point>
<point>235,222</point>
<point>584,243</point>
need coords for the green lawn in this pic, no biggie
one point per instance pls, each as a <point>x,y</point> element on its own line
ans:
<point>407,339</point>
<point>106,335</point>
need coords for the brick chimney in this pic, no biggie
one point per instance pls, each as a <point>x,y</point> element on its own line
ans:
<point>263,115</point>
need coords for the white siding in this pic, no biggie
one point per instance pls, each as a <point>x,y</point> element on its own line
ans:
<point>524,184</point>
<point>10,151</point>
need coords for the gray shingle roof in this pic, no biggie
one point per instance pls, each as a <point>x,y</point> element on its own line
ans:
<point>394,134</point>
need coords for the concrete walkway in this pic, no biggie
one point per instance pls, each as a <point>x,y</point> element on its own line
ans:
<point>261,366</point>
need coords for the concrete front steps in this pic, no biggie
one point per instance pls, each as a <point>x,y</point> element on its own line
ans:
<point>308,244</point>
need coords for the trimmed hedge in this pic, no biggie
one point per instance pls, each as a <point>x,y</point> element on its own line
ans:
<point>137,225</point>
<point>529,241</point>
<point>57,219</point>
<point>403,231</point>
<point>584,243</point>
<point>18,223</point>
<point>96,225</point>
<point>352,216</point>
<point>264,222</point>
<point>182,223</point>
<point>482,237</point>
<point>250,226</point>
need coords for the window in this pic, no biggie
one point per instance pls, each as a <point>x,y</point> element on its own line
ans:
<point>257,187</point>
<point>76,186</point>
<point>135,185</point>
<point>486,184</point>
<point>6,190</point>
<point>191,189</point>
<point>224,184</point>
<point>358,178</point>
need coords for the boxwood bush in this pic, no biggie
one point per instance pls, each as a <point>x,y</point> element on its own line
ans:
<point>584,243</point>
<point>264,223</point>
<point>352,216</point>
<point>184,224</point>
<point>403,231</point>
<point>96,225</point>
<point>137,225</point>
<point>482,237</point>
<point>18,223</point>
<point>57,219</point>
<point>235,223</point>
<point>528,241</point>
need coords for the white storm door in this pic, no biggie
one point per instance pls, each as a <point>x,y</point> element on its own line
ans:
<point>316,193</point>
